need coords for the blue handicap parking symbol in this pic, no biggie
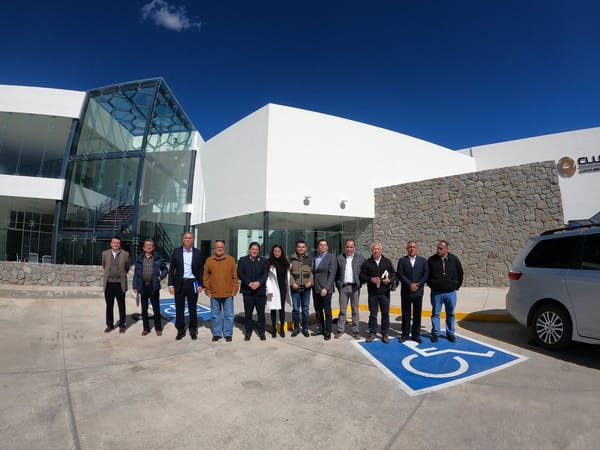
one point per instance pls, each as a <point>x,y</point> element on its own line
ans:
<point>167,310</point>
<point>428,366</point>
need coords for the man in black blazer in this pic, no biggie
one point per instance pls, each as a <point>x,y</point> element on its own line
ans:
<point>253,272</point>
<point>185,281</point>
<point>325,267</point>
<point>413,272</point>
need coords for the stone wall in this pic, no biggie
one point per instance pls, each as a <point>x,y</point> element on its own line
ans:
<point>50,274</point>
<point>486,216</point>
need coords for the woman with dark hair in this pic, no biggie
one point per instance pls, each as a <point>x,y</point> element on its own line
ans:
<point>278,288</point>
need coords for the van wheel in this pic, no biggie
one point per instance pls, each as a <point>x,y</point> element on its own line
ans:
<point>551,327</point>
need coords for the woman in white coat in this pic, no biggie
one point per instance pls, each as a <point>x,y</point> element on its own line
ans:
<point>278,288</point>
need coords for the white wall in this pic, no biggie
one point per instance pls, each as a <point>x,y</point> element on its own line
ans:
<point>332,159</point>
<point>233,168</point>
<point>44,101</point>
<point>31,187</point>
<point>579,191</point>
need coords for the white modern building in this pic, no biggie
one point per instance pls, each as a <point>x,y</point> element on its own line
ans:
<point>78,167</point>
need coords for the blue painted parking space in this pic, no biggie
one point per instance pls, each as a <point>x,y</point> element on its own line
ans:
<point>427,367</point>
<point>167,310</point>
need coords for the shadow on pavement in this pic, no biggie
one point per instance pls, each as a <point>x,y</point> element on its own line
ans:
<point>587,355</point>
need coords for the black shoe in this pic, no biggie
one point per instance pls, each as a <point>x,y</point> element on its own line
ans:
<point>180,336</point>
<point>327,336</point>
<point>305,333</point>
<point>247,337</point>
<point>316,333</point>
<point>403,338</point>
<point>215,338</point>
<point>434,338</point>
<point>282,332</point>
<point>296,332</point>
<point>274,334</point>
<point>356,335</point>
<point>262,337</point>
<point>451,338</point>
<point>194,335</point>
<point>417,339</point>
<point>227,338</point>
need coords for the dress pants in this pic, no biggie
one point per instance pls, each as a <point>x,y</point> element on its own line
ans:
<point>349,292</point>
<point>187,292</point>
<point>415,303</point>
<point>382,303</point>
<point>112,291</point>
<point>323,311</point>
<point>148,293</point>
<point>259,302</point>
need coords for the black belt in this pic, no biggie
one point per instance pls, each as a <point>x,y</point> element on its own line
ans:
<point>348,284</point>
<point>189,279</point>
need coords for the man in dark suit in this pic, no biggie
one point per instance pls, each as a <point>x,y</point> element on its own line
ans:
<point>413,272</point>
<point>325,267</point>
<point>115,263</point>
<point>253,272</point>
<point>185,282</point>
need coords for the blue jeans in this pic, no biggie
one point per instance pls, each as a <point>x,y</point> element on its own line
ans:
<point>221,310</point>
<point>381,303</point>
<point>300,300</point>
<point>448,299</point>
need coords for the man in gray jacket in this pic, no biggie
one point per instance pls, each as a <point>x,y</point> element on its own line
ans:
<point>348,283</point>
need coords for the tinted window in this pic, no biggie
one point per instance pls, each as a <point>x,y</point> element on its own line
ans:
<point>559,253</point>
<point>591,252</point>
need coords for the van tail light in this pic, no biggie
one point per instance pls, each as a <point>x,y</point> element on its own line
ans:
<point>512,275</point>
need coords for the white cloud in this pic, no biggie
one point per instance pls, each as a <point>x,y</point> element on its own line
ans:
<point>169,16</point>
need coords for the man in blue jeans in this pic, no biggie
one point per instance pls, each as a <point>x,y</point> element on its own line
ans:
<point>445,278</point>
<point>301,282</point>
<point>220,284</point>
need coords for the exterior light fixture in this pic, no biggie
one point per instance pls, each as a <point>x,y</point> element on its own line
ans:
<point>306,200</point>
<point>343,204</point>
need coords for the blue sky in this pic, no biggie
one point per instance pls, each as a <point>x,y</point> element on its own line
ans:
<point>457,73</point>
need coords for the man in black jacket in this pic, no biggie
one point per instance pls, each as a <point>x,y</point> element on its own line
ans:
<point>445,278</point>
<point>378,273</point>
<point>253,272</point>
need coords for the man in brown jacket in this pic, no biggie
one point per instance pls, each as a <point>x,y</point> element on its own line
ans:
<point>221,284</point>
<point>115,263</point>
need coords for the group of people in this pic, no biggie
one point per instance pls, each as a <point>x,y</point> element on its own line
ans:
<point>268,284</point>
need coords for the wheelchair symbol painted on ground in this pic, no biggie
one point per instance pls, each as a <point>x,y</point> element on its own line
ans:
<point>427,367</point>
<point>167,310</point>
<point>432,352</point>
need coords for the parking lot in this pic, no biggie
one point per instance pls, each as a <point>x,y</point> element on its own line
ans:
<point>66,384</point>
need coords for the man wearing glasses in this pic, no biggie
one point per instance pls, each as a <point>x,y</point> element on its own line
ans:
<point>445,278</point>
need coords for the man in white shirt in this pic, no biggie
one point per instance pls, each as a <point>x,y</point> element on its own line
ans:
<point>348,282</point>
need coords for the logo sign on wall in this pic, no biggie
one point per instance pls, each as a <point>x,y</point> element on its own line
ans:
<point>427,367</point>
<point>167,310</point>
<point>567,167</point>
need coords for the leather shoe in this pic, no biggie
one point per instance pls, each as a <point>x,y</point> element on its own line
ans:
<point>274,334</point>
<point>122,330</point>
<point>417,339</point>
<point>434,338</point>
<point>451,338</point>
<point>338,335</point>
<point>316,333</point>
<point>403,338</point>
<point>227,338</point>
<point>180,336</point>
<point>282,333</point>
<point>216,338</point>
<point>159,332</point>
<point>247,337</point>
<point>262,337</point>
<point>370,338</point>
<point>108,329</point>
<point>305,333</point>
<point>385,339</point>
<point>327,336</point>
<point>295,333</point>
<point>145,332</point>
<point>194,336</point>
<point>356,335</point>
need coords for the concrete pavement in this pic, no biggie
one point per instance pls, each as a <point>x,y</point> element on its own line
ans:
<point>66,384</point>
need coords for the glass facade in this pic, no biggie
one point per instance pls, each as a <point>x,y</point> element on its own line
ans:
<point>129,173</point>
